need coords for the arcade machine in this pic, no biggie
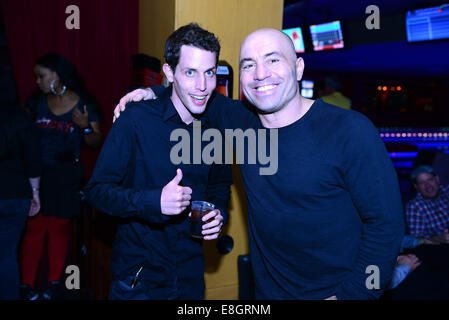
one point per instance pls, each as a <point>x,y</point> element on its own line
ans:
<point>225,81</point>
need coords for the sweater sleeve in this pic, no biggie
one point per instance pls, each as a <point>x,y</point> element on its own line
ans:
<point>106,190</point>
<point>373,186</point>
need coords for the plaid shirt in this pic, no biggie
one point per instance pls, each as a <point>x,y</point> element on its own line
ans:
<point>426,217</point>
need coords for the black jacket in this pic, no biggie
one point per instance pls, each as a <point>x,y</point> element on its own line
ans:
<point>133,167</point>
<point>19,153</point>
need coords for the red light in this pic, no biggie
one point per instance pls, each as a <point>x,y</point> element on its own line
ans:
<point>384,88</point>
<point>398,88</point>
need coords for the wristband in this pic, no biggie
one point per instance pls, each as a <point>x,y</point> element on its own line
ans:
<point>88,130</point>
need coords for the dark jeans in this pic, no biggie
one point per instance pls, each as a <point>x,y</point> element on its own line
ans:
<point>13,215</point>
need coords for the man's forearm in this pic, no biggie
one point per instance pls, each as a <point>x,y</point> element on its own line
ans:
<point>122,202</point>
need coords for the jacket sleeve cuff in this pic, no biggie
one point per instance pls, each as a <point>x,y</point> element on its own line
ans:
<point>151,206</point>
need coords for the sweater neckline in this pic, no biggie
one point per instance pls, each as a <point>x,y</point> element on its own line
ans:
<point>301,120</point>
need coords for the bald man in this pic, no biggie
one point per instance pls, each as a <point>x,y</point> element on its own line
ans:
<point>329,223</point>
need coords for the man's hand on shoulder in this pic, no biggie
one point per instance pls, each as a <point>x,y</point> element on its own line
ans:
<point>136,95</point>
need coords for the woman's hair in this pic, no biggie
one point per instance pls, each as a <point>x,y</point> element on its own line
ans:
<point>67,73</point>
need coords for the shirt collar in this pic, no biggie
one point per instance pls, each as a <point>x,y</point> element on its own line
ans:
<point>169,109</point>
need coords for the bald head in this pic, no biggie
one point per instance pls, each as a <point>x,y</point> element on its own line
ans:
<point>270,70</point>
<point>278,38</point>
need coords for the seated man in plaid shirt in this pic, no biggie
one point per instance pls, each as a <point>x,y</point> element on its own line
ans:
<point>427,244</point>
<point>428,213</point>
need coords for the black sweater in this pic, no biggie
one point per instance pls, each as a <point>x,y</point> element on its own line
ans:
<point>331,213</point>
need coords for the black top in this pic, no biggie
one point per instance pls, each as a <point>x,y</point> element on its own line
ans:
<point>60,137</point>
<point>19,153</point>
<point>331,212</point>
<point>60,143</point>
<point>133,167</point>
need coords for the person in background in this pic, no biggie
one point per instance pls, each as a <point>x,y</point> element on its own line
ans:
<point>332,94</point>
<point>426,241</point>
<point>65,116</point>
<point>20,171</point>
<point>428,213</point>
<point>146,72</point>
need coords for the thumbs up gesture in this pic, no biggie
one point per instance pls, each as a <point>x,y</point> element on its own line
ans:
<point>175,198</point>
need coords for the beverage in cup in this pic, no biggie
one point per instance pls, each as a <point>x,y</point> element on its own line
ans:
<point>199,209</point>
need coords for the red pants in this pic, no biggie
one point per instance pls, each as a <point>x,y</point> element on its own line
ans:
<point>33,247</point>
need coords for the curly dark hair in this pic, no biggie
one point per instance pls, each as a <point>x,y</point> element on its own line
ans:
<point>190,35</point>
<point>67,73</point>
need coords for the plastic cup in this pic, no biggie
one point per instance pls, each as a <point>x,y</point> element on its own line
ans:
<point>199,209</point>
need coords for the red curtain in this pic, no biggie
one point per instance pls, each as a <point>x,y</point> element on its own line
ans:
<point>101,49</point>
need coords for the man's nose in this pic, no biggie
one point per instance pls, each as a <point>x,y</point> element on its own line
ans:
<point>262,72</point>
<point>201,83</point>
<point>427,184</point>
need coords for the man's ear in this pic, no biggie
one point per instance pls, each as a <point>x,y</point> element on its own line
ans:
<point>299,68</point>
<point>169,74</point>
<point>437,178</point>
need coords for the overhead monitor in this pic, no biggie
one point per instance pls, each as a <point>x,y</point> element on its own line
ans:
<point>296,35</point>
<point>327,36</point>
<point>427,24</point>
